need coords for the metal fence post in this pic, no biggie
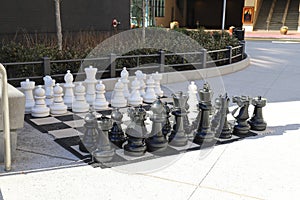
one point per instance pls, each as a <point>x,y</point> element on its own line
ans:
<point>204,57</point>
<point>229,54</point>
<point>162,56</point>
<point>242,43</point>
<point>46,65</point>
<point>113,58</point>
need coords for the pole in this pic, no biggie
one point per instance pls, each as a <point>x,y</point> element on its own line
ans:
<point>224,14</point>
<point>6,126</point>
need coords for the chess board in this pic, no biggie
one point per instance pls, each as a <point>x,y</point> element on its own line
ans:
<point>67,130</point>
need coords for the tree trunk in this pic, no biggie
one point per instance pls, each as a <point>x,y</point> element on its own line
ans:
<point>58,24</point>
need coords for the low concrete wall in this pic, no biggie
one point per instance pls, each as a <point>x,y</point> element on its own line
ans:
<point>16,101</point>
<point>190,75</point>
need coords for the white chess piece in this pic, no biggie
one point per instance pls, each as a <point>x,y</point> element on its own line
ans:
<point>193,100</point>
<point>157,78</point>
<point>150,95</point>
<point>40,108</point>
<point>58,107</point>
<point>69,89</point>
<point>100,101</point>
<point>80,105</point>
<point>135,98</point>
<point>118,100</point>
<point>49,84</point>
<point>125,81</point>
<point>27,87</point>
<point>141,77</point>
<point>90,83</point>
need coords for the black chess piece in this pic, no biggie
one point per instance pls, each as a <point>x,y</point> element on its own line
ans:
<point>116,134</point>
<point>89,140</point>
<point>226,130</point>
<point>242,126</point>
<point>178,135</point>
<point>204,133</point>
<point>104,152</point>
<point>136,133</point>
<point>166,130</point>
<point>186,123</point>
<point>157,141</point>
<point>257,122</point>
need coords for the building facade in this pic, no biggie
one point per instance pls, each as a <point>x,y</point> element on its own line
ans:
<point>38,16</point>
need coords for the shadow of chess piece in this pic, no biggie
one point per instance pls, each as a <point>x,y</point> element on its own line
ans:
<point>242,126</point>
<point>136,133</point>
<point>257,122</point>
<point>89,140</point>
<point>116,134</point>
<point>166,130</point>
<point>204,133</point>
<point>226,130</point>
<point>178,135</point>
<point>104,152</point>
<point>157,141</point>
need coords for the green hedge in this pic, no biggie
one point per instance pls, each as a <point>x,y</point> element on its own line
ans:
<point>80,46</point>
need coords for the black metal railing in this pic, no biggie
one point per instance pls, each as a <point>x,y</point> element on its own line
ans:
<point>109,66</point>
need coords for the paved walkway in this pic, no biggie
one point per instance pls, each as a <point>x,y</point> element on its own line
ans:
<point>261,167</point>
<point>263,35</point>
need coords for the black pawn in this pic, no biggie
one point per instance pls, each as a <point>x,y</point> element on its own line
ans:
<point>89,140</point>
<point>257,122</point>
<point>242,126</point>
<point>136,133</point>
<point>157,141</point>
<point>104,152</point>
<point>116,134</point>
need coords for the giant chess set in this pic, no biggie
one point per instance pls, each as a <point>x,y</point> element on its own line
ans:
<point>139,122</point>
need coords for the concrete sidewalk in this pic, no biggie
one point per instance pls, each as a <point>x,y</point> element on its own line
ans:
<point>269,35</point>
<point>260,167</point>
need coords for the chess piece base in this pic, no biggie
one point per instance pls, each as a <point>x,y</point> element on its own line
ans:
<point>225,134</point>
<point>134,150</point>
<point>81,108</point>
<point>104,156</point>
<point>178,140</point>
<point>204,137</point>
<point>258,126</point>
<point>156,143</point>
<point>58,110</point>
<point>40,111</point>
<point>241,130</point>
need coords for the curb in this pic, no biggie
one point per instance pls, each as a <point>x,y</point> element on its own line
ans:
<point>190,75</point>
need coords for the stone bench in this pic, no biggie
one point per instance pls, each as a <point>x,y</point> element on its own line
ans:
<point>16,101</point>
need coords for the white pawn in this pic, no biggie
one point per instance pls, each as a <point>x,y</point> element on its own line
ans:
<point>49,84</point>
<point>118,100</point>
<point>135,98</point>
<point>100,102</point>
<point>150,95</point>
<point>69,89</point>
<point>80,105</point>
<point>193,100</point>
<point>125,81</point>
<point>27,87</point>
<point>157,78</point>
<point>40,108</point>
<point>90,83</point>
<point>58,107</point>
<point>141,77</point>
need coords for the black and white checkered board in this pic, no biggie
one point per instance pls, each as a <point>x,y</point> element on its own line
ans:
<point>68,128</point>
